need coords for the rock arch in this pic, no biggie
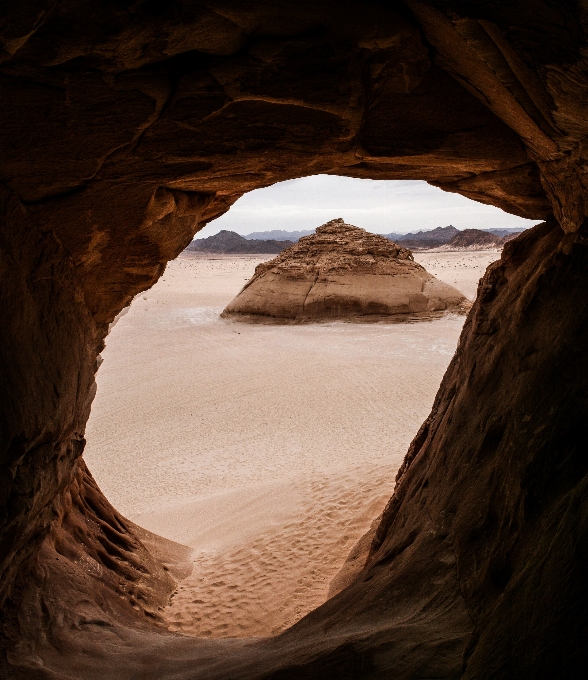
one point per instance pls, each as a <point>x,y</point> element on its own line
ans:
<point>127,127</point>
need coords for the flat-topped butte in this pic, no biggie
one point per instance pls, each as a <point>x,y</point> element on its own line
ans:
<point>343,272</point>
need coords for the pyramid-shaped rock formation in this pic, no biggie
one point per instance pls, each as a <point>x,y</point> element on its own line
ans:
<point>343,272</point>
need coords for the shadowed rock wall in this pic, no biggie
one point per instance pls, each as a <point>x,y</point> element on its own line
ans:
<point>126,127</point>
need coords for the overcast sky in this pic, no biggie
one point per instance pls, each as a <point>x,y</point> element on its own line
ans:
<point>399,206</point>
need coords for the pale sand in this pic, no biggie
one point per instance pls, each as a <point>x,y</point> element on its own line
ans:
<point>268,449</point>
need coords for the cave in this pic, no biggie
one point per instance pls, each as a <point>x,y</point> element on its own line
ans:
<point>125,128</point>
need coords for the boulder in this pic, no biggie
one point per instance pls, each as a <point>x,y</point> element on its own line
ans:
<point>343,272</point>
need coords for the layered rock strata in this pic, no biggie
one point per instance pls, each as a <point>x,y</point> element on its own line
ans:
<point>343,272</point>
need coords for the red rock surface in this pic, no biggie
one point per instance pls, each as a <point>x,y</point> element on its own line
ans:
<point>126,128</point>
<point>343,272</point>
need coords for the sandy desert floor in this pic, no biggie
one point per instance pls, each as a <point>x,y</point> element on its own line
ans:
<point>267,449</point>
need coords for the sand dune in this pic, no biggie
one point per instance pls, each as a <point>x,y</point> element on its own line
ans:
<point>266,580</point>
<point>268,450</point>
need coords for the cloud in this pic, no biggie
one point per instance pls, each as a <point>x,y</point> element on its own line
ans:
<point>377,205</point>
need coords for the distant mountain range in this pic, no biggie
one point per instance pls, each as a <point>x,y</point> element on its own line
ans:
<point>425,239</point>
<point>279,235</point>
<point>475,239</point>
<point>433,238</point>
<point>231,242</point>
<point>507,231</point>
<point>442,234</point>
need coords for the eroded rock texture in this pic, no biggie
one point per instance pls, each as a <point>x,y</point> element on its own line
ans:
<point>127,126</point>
<point>343,272</point>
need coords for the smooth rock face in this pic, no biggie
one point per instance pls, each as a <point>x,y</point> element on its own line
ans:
<point>343,272</point>
<point>123,131</point>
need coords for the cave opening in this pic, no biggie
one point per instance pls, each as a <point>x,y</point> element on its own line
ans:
<point>269,451</point>
<point>123,132</point>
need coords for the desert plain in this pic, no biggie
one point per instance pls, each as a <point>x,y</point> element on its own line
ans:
<point>268,450</point>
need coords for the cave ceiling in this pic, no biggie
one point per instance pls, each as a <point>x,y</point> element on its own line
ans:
<point>216,99</point>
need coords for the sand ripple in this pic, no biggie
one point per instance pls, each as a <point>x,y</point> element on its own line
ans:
<point>261,584</point>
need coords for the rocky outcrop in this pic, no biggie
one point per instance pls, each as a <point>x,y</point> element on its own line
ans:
<point>123,131</point>
<point>474,239</point>
<point>231,242</point>
<point>343,272</point>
